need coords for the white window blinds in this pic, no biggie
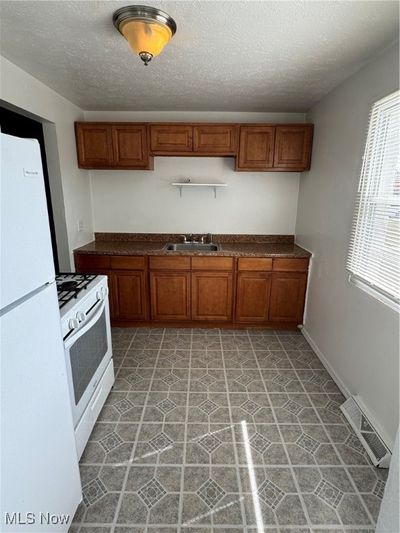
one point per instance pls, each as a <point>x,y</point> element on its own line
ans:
<point>374,253</point>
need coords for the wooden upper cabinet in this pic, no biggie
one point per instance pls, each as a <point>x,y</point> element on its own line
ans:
<point>215,139</point>
<point>293,147</point>
<point>94,144</point>
<point>170,139</point>
<point>112,145</point>
<point>130,146</point>
<point>256,148</point>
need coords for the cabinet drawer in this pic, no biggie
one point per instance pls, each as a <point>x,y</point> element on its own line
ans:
<point>87,261</point>
<point>170,263</point>
<point>290,265</point>
<point>212,263</point>
<point>126,262</point>
<point>255,263</point>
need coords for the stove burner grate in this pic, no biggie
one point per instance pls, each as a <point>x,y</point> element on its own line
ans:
<point>69,285</point>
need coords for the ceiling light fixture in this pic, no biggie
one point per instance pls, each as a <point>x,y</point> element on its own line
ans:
<point>146,29</point>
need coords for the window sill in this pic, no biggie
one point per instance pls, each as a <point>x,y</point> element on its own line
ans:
<point>364,286</point>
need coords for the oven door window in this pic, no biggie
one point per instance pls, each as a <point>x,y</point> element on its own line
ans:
<point>86,355</point>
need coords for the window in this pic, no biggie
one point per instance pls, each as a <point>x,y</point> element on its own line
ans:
<point>374,253</point>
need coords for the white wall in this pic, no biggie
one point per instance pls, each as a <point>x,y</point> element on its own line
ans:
<point>389,514</point>
<point>27,93</point>
<point>357,335</point>
<point>144,201</point>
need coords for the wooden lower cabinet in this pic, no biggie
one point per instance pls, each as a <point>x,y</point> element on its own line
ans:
<point>253,296</point>
<point>129,295</point>
<point>249,291</point>
<point>170,295</point>
<point>288,291</point>
<point>212,296</point>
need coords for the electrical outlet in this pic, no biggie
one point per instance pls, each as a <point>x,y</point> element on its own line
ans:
<point>80,225</point>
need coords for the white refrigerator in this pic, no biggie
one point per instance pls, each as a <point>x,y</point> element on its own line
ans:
<point>40,483</point>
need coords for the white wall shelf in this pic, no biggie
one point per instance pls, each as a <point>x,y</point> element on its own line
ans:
<point>182,184</point>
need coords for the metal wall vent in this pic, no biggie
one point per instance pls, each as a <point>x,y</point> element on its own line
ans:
<point>377,450</point>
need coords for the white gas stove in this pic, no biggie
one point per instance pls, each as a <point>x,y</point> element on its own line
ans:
<point>85,324</point>
<point>77,293</point>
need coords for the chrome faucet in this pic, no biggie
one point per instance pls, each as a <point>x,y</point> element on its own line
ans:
<point>187,238</point>
<point>204,237</point>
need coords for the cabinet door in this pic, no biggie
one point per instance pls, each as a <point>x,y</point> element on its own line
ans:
<point>293,147</point>
<point>215,139</point>
<point>170,295</point>
<point>287,297</point>
<point>94,145</point>
<point>130,301</point>
<point>252,296</point>
<point>170,139</point>
<point>130,146</point>
<point>256,148</point>
<point>212,296</point>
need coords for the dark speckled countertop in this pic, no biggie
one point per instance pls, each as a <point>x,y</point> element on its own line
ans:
<point>232,245</point>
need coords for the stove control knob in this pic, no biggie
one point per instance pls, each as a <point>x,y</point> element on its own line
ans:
<point>73,323</point>
<point>99,295</point>
<point>80,316</point>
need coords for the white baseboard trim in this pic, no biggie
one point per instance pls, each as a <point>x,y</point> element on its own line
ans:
<point>345,391</point>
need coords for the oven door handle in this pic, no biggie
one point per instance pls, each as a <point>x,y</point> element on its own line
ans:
<point>88,324</point>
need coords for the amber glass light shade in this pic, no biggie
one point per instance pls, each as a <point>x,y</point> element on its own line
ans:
<point>145,36</point>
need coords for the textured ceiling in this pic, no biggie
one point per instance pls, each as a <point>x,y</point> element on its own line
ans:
<point>226,55</point>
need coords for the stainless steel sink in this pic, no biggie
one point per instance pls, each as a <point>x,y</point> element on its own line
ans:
<point>192,247</point>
